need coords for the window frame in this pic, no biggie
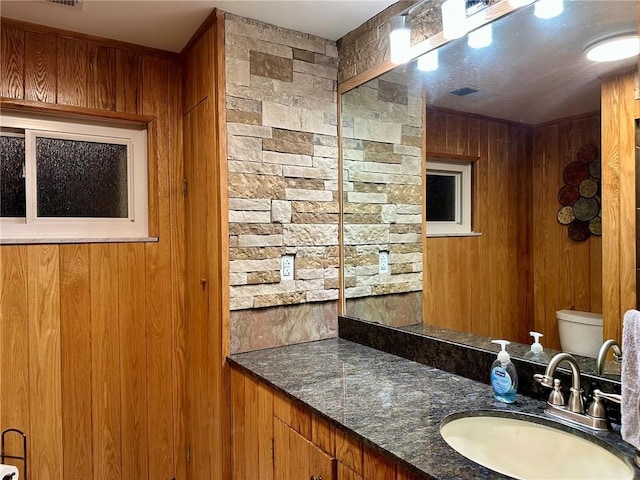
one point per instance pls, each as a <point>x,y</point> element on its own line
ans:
<point>8,220</point>
<point>32,228</point>
<point>462,171</point>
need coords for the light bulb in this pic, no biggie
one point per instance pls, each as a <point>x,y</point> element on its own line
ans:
<point>428,62</point>
<point>399,40</point>
<point>454,19</point>
<point>481,37</point>
<point>548,8</point>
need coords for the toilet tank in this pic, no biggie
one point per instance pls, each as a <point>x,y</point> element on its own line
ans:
<point>580,332</point>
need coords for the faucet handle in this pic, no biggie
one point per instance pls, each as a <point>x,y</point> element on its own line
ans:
<point>612,397</point>
<point>544,380</point>
<point>556,397</point>
<point>597,408</point>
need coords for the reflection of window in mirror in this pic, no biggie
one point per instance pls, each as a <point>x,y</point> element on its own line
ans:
<point>448,193</point>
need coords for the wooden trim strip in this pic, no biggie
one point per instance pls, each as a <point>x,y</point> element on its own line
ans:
<point>211,20</point>
<point>103,42</point>
<point>57,109</point>
<point>221,107</point>
<point>223,273</point>
<point>453,156</point>
<point>567,119</point>
<point>480,116</point>
<point>365,76</point>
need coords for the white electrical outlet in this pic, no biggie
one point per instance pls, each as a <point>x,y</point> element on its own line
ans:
<point>286,268</point>
<point>383,262</point>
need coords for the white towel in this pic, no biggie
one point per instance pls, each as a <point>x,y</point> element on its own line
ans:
<point>631,378</point>
<point>8,471</point>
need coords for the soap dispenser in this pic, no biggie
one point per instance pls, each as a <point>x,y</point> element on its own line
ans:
<point>504,378</point>
<point>536,353</point>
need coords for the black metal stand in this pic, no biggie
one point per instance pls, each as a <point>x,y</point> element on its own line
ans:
<point>4,455</point>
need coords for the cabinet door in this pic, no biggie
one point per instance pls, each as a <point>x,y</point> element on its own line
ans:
<point>345,473</point>
<point>252,415</point>
<point>296,458</point>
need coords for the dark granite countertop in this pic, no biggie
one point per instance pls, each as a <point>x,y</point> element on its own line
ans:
<point>517,350</point>
<point>392,404</point>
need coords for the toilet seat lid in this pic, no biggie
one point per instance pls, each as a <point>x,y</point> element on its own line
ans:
<point>587,318</point>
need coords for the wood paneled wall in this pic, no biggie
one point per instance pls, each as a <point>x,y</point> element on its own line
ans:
<point>484,284</point>
<point>619,202</point>
<point>566,274</point>
<point>207,265</point>
<point>92,352</point>
<point>523,268</point>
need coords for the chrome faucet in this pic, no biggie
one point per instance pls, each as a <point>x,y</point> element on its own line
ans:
<point>602,354</point>
<point>574,411</point>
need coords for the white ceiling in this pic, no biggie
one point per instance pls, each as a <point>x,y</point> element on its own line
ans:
<point>535,70</point>
<point>169,24</point>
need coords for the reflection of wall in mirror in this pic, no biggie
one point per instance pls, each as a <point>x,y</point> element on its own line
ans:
<point>523,268</point>
<point>382,198</point>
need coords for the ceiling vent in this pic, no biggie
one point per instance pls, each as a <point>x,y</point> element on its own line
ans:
<point>75,4</point>
<point>463,91</point>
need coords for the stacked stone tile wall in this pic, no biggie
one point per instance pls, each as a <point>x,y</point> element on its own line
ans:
<point>382,185</point>
<point>368,45</point>
<point>282,145</point>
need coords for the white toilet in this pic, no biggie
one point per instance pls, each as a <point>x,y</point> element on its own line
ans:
<point>580,332</point>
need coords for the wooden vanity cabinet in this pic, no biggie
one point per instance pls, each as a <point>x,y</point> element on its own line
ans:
<point>274,438</point>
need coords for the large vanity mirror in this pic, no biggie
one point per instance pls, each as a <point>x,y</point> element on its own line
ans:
<point>522,115</point>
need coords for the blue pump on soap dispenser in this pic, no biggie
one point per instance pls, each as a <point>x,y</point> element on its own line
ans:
<point>504,378</point>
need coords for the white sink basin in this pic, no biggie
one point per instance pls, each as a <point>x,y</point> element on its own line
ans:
<point>526,450</point>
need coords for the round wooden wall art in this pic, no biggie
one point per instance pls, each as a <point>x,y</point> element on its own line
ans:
<point>579,198</point>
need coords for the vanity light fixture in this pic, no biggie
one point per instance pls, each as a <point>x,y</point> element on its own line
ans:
<point>399,40</point>
<point>428,62</point>
<point>454,19</point>
<point>614,48</point>
<point>480,38</point>
<point>548,8</point>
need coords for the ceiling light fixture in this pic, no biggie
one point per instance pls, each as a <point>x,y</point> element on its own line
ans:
<point>548,8</point>
<point>614,48</point>
<point>480,38</point>
<point>428,62</point>
<point>454,19</point>
<point>399,40</point>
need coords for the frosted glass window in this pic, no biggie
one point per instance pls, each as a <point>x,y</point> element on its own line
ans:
<point>448,197</point>
<point>12,179</point>
<point>81,179</point>
<point>72,179</point>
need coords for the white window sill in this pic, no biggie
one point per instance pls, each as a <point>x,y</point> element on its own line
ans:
<point>469,234</point>
<point>40,241</point>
